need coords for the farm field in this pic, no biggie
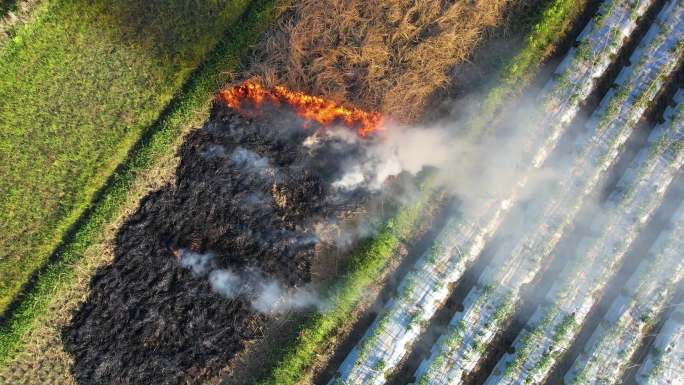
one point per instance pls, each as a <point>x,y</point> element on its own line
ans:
<point>342,192</point>
<point>62,283</point>
<point>68,76</point>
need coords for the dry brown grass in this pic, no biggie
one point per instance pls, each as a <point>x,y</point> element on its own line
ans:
<point>388,55</point>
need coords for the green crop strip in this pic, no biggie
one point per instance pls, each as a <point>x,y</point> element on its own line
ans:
<point>549,30</point>
<point>78,88</point>
<point>292,361</point>
<point>196,97</point>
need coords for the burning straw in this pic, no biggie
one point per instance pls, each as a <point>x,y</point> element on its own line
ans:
<point>310,108</point>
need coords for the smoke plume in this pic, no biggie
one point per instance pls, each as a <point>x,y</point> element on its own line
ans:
<point>265,295</point>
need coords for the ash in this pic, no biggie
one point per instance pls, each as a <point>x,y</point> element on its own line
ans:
<point>248,191</point>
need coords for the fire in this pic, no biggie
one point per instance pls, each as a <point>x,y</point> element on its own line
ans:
<point>310,108</point>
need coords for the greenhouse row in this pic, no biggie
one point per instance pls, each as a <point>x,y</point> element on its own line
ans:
<point>635,311</point>
<point>611,125</point>
<point>554,325</point>
<point>665,362</point>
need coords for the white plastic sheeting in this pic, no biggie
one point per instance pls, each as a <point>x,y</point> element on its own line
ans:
<point>634,312</point>
<point>423,291</point>
<point>607,131</point>
<point>553,326</point>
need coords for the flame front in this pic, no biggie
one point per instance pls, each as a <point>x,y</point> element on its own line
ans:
<point>310,108</point>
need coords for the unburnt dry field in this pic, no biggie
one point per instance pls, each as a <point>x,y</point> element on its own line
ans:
<point>288,232</point>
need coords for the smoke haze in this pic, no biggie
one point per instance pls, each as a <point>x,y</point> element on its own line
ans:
<point>265,295</point>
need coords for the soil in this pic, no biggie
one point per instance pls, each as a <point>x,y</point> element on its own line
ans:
<point>247,193</point>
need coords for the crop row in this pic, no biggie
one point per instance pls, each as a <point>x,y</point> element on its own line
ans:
<point>634,313</point>
<point>596,47</point>
<point>663,365</point>
<point>493,300</point>
<point>553,327</point>
<point>423,290</point>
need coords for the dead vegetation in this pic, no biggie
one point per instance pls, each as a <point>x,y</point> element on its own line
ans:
<point>388,55</point>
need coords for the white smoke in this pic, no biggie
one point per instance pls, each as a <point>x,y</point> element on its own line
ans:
<point>251,161</point>
<point>200,264</point>
<point>352,179</point>
<point>213,150</point>
<point>475,170</point>
<point>273,298</point>
<point>265,295</point>
<point>399,149</point>
<point>225,282</point>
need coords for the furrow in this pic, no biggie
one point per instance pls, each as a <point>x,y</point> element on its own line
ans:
<point>664,364</point>
<point>634,313</point>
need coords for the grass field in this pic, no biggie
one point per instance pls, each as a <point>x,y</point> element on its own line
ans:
<point>80,84</point>
<point>34,326</point>
<point>14,14</point>
<point>294,359</point>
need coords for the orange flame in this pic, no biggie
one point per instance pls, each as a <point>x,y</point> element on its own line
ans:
<point>310,108</point>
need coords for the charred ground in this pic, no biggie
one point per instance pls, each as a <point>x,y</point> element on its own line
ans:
<point>248,191</point>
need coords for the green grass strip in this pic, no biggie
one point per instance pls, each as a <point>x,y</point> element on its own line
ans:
<point>196,96</point>
<point>365,267</point>
<point>551,28</point>
<point>547,32</point>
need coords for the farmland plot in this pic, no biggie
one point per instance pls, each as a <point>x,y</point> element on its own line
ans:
<point>30,347</point>
<point>493,300</point>
<point>553,327</point>
<point>22,322</point>
<point>151,311</point>
<point>554,22</point>
<point>423,290</point>
<point>79,86</point>
<point>635,311</point>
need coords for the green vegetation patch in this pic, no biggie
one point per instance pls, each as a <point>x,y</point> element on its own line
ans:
<point>78,87</point>
<point>196,97</point>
